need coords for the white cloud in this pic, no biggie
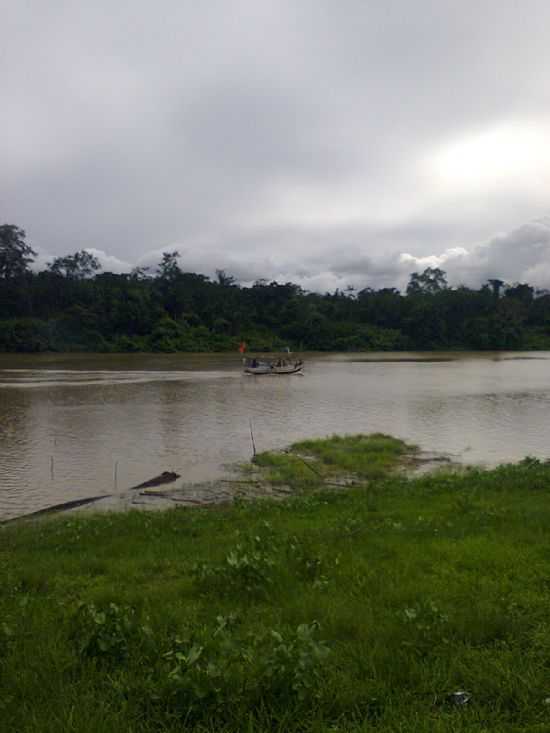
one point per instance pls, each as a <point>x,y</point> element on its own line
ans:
<point>449,257</point>
<point>521,255</point>
<point>108,263</point>
<point>506,155</point>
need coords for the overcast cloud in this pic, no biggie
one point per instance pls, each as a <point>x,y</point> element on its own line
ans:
<point>321,142</point>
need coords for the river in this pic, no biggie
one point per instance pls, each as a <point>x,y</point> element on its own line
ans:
<point>73,426</point>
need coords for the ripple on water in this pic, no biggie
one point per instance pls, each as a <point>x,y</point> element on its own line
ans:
<point>29,378</point>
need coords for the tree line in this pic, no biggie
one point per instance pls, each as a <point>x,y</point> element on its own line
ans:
<point>73,306</point>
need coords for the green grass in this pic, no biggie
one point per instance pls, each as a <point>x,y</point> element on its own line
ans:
<point>346,610</point>
<point>307,463</point>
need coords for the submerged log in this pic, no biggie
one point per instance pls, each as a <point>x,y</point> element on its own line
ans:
<point>166,477</point>
<point>65,506</point>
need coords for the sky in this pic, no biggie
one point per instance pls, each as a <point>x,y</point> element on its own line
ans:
<point>327,143</point>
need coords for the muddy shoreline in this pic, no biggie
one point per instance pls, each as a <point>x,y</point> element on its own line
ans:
<point>156,494</point>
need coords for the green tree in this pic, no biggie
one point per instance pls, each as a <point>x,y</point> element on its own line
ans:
<point>496,286</point>
<point>169,269</point>
<point>224,279</point>
<point>140,273</point>
<point>522,292</point>
<point>15,254</point>
<point>78,266</point>
<point>431,281</point>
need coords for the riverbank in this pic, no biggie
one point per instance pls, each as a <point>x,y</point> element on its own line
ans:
<point>351,608</point>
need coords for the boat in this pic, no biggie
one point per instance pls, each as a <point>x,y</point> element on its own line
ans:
<point>253,366</point>
<point>281,366</point>
<point>285,367</point>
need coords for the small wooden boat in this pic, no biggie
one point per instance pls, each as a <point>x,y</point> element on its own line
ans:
<point>287,367</point>
<point>281,366</point>
<point>253,366</point>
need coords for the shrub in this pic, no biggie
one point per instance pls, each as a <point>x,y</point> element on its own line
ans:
<point>106,633</point>
<point>214,676</point>
<point>248,569</point>
<point>291,664</point>
<point>308,565</point>
<point>207,672</point>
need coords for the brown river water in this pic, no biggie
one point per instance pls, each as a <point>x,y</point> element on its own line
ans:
<point>74,426</point>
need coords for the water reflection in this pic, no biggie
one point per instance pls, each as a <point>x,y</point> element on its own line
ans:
<point>84,415</point>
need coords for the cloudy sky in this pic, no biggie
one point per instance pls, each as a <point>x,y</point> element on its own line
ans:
<point>329,143</point>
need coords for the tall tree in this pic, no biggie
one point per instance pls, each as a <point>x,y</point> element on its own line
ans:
<point>15,254</point>
<point>522,292</point>
<point>496,286</point>
<point>224,279</point>
<point>169,269</point>
<point>140,273</point>
<point>79,266</point>
<point>431,281</point>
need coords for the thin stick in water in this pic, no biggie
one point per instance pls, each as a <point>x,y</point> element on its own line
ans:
<point>253,443</point>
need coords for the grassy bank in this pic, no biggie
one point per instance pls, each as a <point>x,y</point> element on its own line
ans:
<point>351,609</point>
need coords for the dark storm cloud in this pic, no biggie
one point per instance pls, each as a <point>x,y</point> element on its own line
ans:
<point>293,140</point>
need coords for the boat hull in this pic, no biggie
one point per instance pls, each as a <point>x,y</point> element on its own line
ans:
<point>257,370</point>
<point>274,371</point>
<point>287,370</point>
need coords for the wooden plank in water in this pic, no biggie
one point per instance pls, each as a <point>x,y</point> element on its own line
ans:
<point>65,506</point>
<point>166,477</point>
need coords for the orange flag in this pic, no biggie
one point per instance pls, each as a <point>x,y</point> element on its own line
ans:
<point>242,347</point>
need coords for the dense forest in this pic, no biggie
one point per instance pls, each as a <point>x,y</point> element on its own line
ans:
<point>73,306</point>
